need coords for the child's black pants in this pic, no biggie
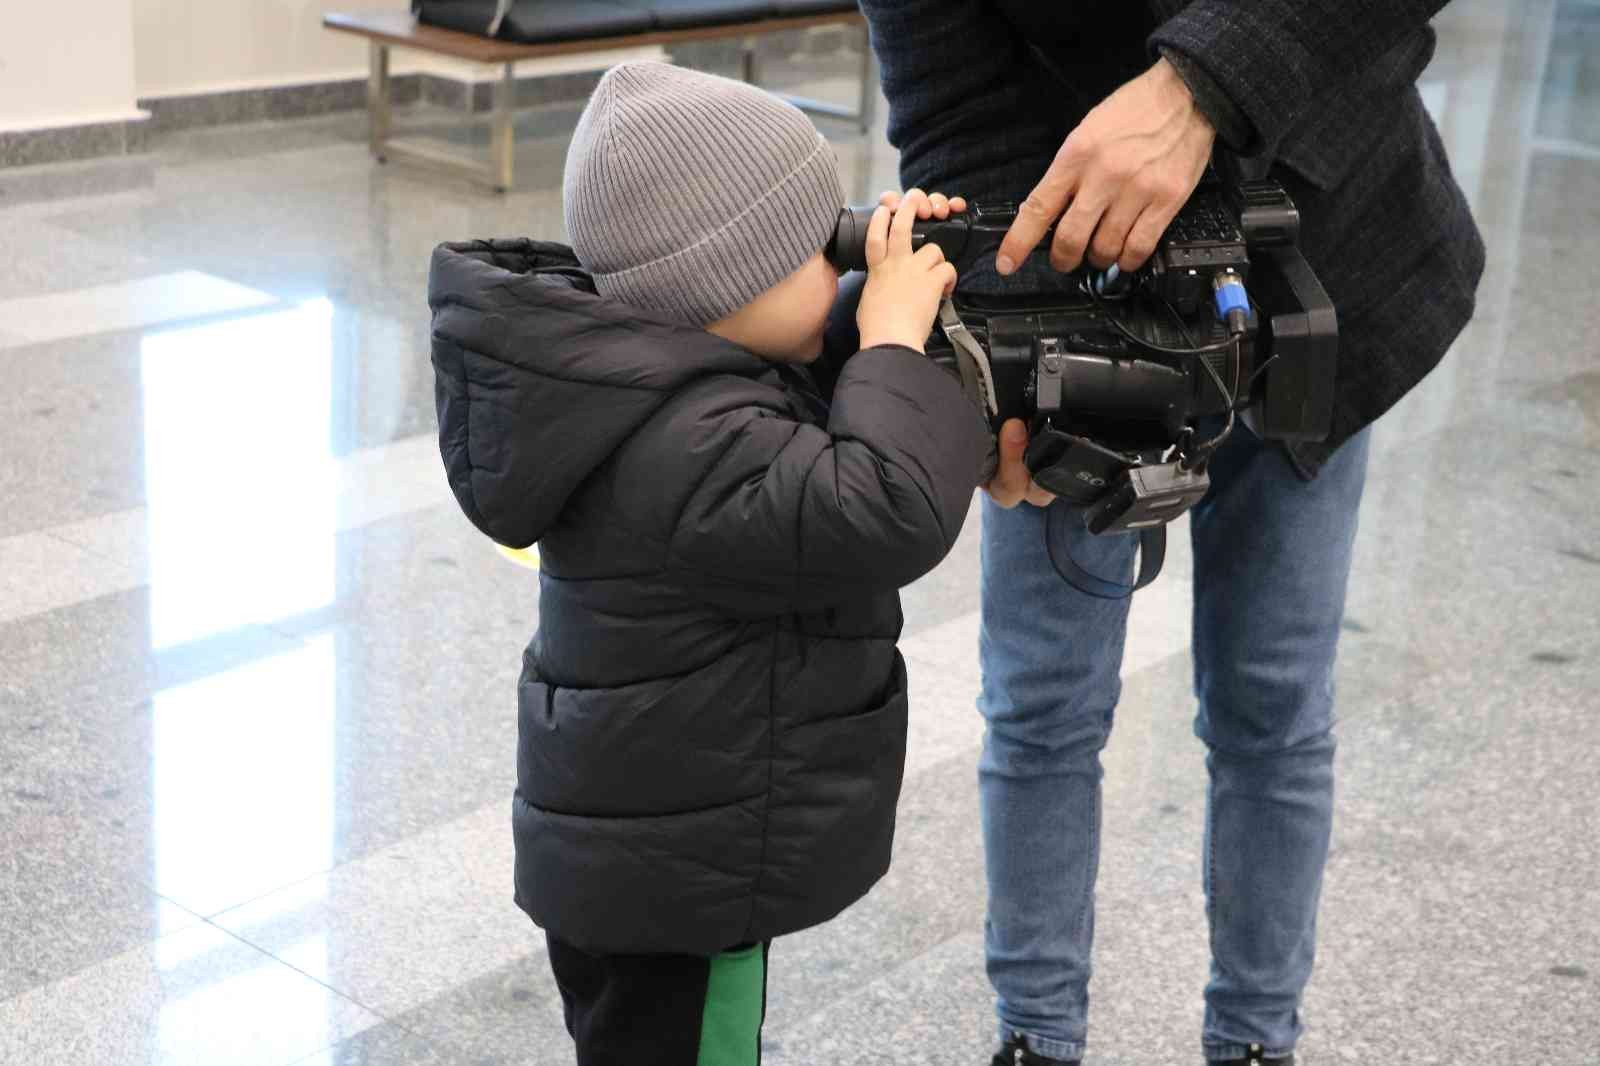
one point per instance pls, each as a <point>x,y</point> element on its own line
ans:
<point>663,1010</point>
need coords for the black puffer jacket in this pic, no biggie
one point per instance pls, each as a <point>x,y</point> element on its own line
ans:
<point>712,715</point>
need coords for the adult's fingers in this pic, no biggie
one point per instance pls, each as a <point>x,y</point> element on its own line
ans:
<point>878,237</point>
<point>1010,483</point>
<point>1142,238</point>
<point>1042,207</point>
<point>1111,235</point>
<point>930,255</point>
<point>946,272</point>
<point>1076,228</point>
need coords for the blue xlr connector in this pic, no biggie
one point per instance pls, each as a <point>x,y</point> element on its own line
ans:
<point>1233,303</point>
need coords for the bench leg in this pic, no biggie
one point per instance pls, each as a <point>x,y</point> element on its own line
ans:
<point>502,134</point>
<point>379,109</point>
<point>747,61</point>
<point>869,82</point>
<point>496,173</point>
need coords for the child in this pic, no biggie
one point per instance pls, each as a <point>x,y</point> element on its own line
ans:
<point>712,715</point>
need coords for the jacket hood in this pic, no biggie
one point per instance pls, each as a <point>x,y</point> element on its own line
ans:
<point>538,380</point>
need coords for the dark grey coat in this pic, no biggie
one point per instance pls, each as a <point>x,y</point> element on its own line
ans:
<point>1321,92</point>
<point>712,715</point>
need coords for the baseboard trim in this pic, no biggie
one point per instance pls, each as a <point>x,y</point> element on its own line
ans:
<point>65,143</point>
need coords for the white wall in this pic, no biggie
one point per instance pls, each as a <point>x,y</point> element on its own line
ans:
<point>196,46</point>
<point>66,65</point>
<point>192,46</point>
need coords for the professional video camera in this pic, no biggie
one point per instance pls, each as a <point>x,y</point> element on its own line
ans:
<point>1118,375</point>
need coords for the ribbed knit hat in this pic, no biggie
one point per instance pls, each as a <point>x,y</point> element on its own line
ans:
<point>690,194</point>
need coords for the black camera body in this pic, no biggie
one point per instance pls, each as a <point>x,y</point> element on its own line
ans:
<point>1117,378</point>
<point>1059,358</point>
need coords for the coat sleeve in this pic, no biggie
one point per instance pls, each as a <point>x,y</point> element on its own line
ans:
<point>792,515</point>
<point>950,71</point>
<point>1273,58</point>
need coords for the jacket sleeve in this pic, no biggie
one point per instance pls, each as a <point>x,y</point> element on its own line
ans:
<point>1273,58</point>
<point>950,72</point>
<point>793,515</point>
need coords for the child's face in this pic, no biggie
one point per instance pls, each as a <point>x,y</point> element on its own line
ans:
<point>785,323</point>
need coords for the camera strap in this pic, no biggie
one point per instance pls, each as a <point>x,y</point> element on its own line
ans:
<point>977,379</point>
<point>1152,555</point>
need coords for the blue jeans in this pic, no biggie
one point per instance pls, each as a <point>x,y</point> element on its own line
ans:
<point>1271,559</point>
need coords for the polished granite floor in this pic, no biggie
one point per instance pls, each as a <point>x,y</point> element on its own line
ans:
<point>255,668</point>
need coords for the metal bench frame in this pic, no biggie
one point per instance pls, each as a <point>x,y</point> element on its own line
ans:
<point>386,32</point>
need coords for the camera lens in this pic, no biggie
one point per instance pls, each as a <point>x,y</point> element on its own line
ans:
<point>847,250</point>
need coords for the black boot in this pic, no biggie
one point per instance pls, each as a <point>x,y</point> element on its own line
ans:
<point>1014,1052</point>
<point>1255,1057</point>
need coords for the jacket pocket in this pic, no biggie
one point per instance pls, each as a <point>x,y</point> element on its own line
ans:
<point>830,822</point>
<point>665,746</point>
<point>677,884</point>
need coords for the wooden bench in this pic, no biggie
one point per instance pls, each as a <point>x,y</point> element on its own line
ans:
<point>385,30</point>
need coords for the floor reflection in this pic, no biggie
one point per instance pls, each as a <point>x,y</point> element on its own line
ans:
<point>243,779</point>
<point>239,471</point>
<point>242,525</point>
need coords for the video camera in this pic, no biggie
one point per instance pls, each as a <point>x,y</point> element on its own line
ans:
<point>1115,377</point>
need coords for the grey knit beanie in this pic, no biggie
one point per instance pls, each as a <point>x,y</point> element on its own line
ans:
<point>690,194</point>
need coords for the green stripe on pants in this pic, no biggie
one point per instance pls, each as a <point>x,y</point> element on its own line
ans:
<point>736,992</point>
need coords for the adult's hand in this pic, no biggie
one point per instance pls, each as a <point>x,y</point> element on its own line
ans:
<point>1125,172</point>
<point>1012,483</point>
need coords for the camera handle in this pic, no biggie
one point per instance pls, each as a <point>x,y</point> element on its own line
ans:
<point>961,237</point>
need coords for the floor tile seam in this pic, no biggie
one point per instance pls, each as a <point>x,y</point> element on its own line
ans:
<point>274,303</point>
<point>213,917</point>
<point>351,861</point>
<point>54,532</point>
<point>196,915</point>
<point>141,574</point>
<point>199,920</point>
<point>381,1019</point>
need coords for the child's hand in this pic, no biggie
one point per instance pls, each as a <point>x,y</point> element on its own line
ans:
<point>938,204</point>
<point>903,289</point>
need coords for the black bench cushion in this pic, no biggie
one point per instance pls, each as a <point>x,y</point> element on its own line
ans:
<point>540,22</point>
<point>795,8</point>
<point>687,14</point>
<point>547,21</point>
